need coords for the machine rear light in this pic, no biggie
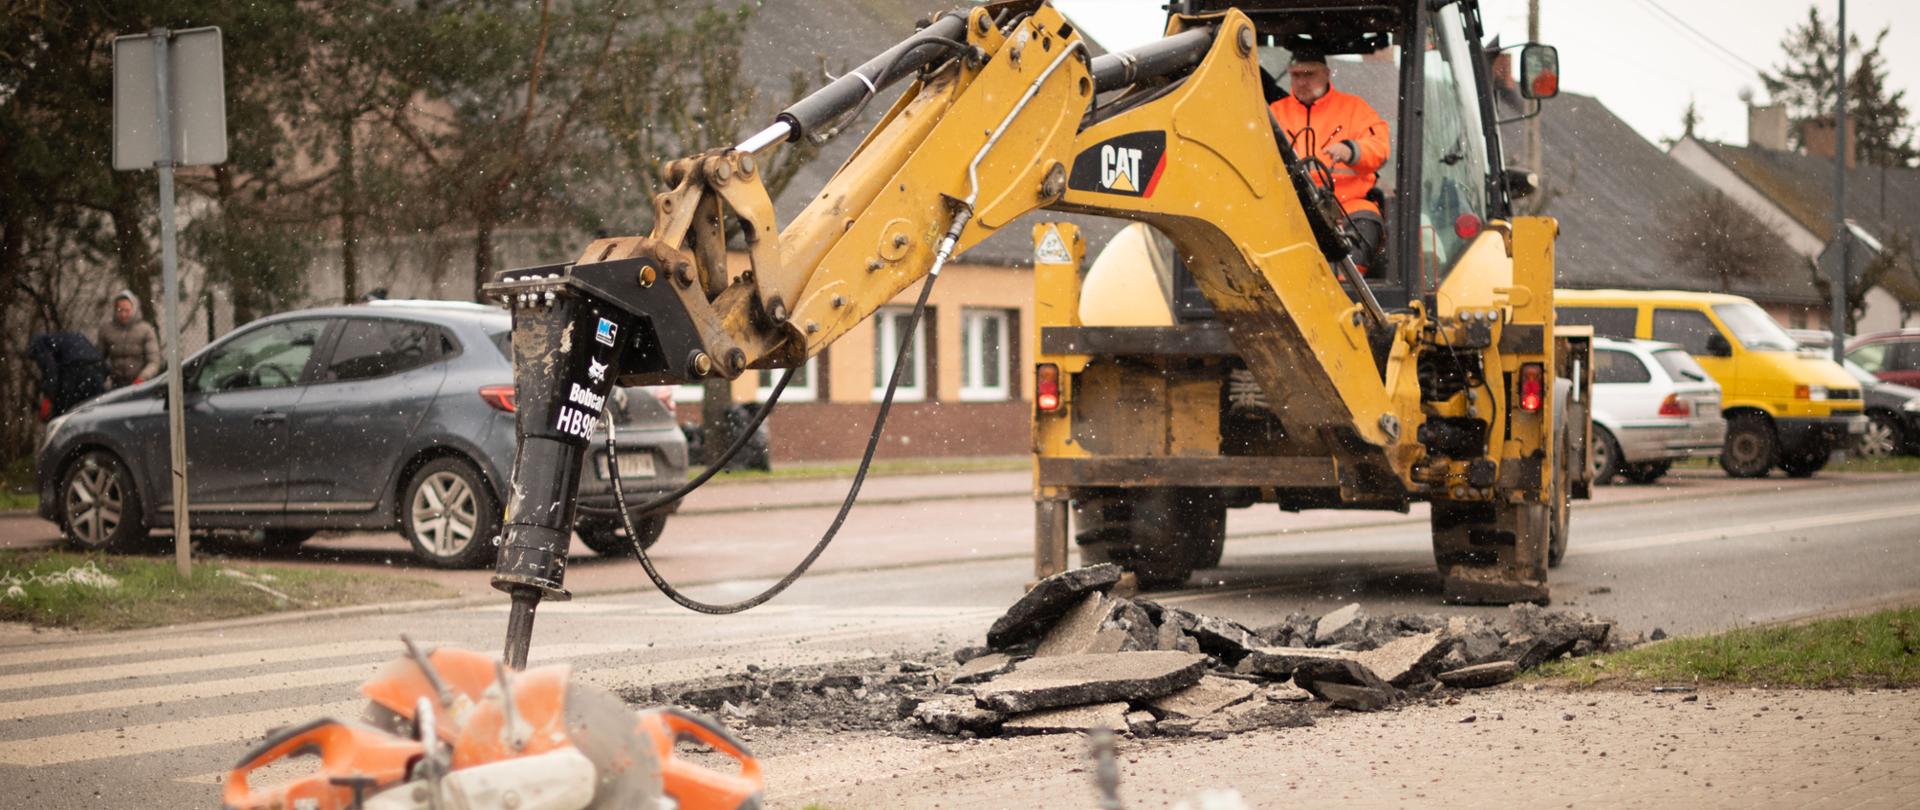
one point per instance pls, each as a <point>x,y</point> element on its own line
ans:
<point>499,396</point>
<point>1466,226</point>
<point>1046,387</point>
<point>1533,387</point>
<point>1673,405</point>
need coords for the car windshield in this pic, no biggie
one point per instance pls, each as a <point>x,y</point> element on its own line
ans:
<point>1680,365</point>
<point>1754,328</point>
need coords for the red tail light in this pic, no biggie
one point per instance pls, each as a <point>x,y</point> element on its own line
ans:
<point>499,396</point>
<point>1533,387</point>
<point>1673,405</point>
<point>1046,387</point>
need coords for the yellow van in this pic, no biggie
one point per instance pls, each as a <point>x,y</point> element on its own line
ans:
<point>1783,407</point>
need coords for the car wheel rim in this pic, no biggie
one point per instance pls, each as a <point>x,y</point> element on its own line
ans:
<point>1602,459</point>
<point>1877,441</point>
<point>445,513</point>
<point>95,501</point>
<point>1744,448</point>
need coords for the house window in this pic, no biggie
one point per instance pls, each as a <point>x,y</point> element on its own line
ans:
<point>804,387</point>
<point>983,355</point>
<point>889,323</point>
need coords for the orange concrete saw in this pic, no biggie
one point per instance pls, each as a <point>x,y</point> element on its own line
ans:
<point>454,730</point>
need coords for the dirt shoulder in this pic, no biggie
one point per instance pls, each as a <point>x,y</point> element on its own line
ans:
<point>1723,748</point>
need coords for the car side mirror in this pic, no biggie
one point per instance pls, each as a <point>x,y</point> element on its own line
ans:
<point>1718,346</point>
<point>1539,71</point>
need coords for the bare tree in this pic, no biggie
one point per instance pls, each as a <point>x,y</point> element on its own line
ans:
<point>1712,234</point>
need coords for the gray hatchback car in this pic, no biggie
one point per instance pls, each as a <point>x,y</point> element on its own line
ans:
<point>390,415</point>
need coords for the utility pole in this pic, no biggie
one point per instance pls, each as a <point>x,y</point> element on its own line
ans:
<point>1839,280</point>
<point>1536,150</point>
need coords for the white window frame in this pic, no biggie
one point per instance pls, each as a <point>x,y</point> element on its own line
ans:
<point>973,326</point>
<point>886,342</point>
<point>804,389</point>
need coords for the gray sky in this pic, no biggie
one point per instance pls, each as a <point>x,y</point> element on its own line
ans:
<point>1643,63</point>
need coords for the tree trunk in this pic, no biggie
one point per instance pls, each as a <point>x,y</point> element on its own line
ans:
<point>130,242</point>
<point>349,215</point>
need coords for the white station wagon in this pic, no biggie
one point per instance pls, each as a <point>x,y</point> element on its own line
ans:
<point>1652,404</point>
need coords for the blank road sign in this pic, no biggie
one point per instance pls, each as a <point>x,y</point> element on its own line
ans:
<point>196,90</point>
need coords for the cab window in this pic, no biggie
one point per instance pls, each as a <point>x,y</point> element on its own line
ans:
<point>271,356</point>
<point>1689,328</point>
<point>1607,322</point>
<point>1610,366</point>
<point>1453,145</point>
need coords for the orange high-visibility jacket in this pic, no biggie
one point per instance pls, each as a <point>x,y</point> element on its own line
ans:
<point>1334,118</point>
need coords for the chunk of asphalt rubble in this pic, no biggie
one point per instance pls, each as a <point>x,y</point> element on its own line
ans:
<point>1353,697</point>
<point>1068,719</point>
<point>1141,723</point>
<point>1255,714</point>
<point>1210,695</point>
<point>1403,661</point>
<point>1075,680</point>
<point>984,668</point>
<point>1225,639</point>
<point>1348,624</point>
<point>952,714</point>
<point>1049,598</point>
<point>1085,628</point>
<point>1480,676</point>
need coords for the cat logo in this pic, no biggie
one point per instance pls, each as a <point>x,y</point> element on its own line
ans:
<point>1128,165</point>
<point>1118,167</point>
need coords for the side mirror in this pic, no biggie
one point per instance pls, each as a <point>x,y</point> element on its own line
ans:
<point>1718,346</point>
<point>1539,71</point>
<point>1522,183</point>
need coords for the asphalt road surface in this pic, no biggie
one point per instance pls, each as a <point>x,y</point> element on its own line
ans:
<point>152,718</point>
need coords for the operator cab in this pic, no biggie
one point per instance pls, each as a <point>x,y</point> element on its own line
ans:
<point>1444,179</point>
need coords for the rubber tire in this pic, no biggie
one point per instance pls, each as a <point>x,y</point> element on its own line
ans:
<point>1804,465</point>
<point>1751,449</point>
<point>1648,472</point>
<point>1560,502</point>
<point>607,540</point>
<point>1607,464</point>
<point>1161,534</point>
<point>1884,437</point>
<point>479,550</point>
<point>130,530</point>
<point>286,539</point>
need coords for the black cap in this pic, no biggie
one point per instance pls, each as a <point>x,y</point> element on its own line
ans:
<point>1307,54</point>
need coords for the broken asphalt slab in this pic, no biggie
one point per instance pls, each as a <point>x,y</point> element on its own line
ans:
<point>1210,695</point>
<point>1069,719</point>
<point>1075,680</point>
<point>1049,598</point>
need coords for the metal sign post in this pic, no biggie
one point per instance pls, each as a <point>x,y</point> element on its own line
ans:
<point>189,129</point>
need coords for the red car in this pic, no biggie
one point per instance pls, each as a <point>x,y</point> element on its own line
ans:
<point>1892,356</point>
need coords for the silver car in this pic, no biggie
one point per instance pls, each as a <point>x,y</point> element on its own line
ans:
<point>1652,404</point>
<point>392,415</point>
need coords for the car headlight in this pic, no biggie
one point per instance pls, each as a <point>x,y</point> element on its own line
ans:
<point>1816,393</point>
<point>1912,406</point>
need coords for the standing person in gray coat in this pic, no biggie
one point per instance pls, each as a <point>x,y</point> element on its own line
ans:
<point>131,345</point>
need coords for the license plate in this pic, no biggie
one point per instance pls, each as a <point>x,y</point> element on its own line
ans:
<point>1709,410</point>
<point>638,464</point>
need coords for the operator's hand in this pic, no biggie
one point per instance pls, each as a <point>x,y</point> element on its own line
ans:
<point>1342,152</point>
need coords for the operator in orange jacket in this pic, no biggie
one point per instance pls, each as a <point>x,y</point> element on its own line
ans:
<point>1343,132</point>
